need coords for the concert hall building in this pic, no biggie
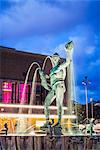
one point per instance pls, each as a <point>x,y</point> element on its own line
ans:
<point>14,65</point>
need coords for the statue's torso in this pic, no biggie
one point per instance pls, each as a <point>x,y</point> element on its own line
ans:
<point>57,75</point>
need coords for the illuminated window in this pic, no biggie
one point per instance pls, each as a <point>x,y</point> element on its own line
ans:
<point>15,94</point>
<point>25,96</point>
<point>7,92</point>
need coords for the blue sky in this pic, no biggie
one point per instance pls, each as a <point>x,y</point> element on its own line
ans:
<point>44,26</point>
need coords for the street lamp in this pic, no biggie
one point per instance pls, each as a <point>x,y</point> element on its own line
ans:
<point>86,82</point>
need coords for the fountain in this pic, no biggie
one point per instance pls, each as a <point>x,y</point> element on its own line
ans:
<point>69,124</point>
<point>23,124</point>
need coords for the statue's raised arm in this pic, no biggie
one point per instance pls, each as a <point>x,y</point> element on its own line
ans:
<point>69,49</point>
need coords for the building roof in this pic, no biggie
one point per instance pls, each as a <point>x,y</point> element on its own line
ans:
<point>13,50</point>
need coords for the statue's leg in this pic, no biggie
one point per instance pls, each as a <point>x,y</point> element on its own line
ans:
<point>59,100</point>
<point>49,99</point>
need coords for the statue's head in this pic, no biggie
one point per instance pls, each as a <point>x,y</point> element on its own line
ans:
<point>55,58</point>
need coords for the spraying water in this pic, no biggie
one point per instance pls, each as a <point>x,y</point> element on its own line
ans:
<point>26,80</point>
<point>33,82</point>
<point>22,123</point>
<point>74,92</point>
<point>33,90</point>
<point>44,63</point>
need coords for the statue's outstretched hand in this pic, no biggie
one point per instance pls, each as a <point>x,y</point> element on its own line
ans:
<point>43,80</point>
<point>69,46</point>
<point>47,76</point>
<point>41,72</point>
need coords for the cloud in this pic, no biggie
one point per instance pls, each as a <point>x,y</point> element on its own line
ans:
<point>90,50</point>
<point>35,44</point>
<point>95,63</point>
<point>35,17</point>
<point>60,49</point>
<point>45,26</point>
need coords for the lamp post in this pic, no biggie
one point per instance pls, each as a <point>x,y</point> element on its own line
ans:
<point>86,82</point>
<point>91,100</point>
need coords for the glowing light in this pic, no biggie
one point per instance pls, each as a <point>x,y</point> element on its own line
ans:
<point>13,115</point>
<point>7,92</point>
<point>39,123</point>
<point>28,106</point>
<point>25,134</point>
<point>7,87</point>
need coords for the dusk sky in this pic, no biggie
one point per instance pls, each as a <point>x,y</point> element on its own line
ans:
<point>44,26</point>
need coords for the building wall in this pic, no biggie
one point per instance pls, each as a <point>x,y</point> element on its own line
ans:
<point>13,68</point>
<point>14,64</point>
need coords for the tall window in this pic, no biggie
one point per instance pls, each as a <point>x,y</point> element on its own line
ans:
<point>15,92</point>
<point>38,94</point>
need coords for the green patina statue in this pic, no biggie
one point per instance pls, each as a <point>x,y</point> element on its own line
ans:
<point>57,86</point>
